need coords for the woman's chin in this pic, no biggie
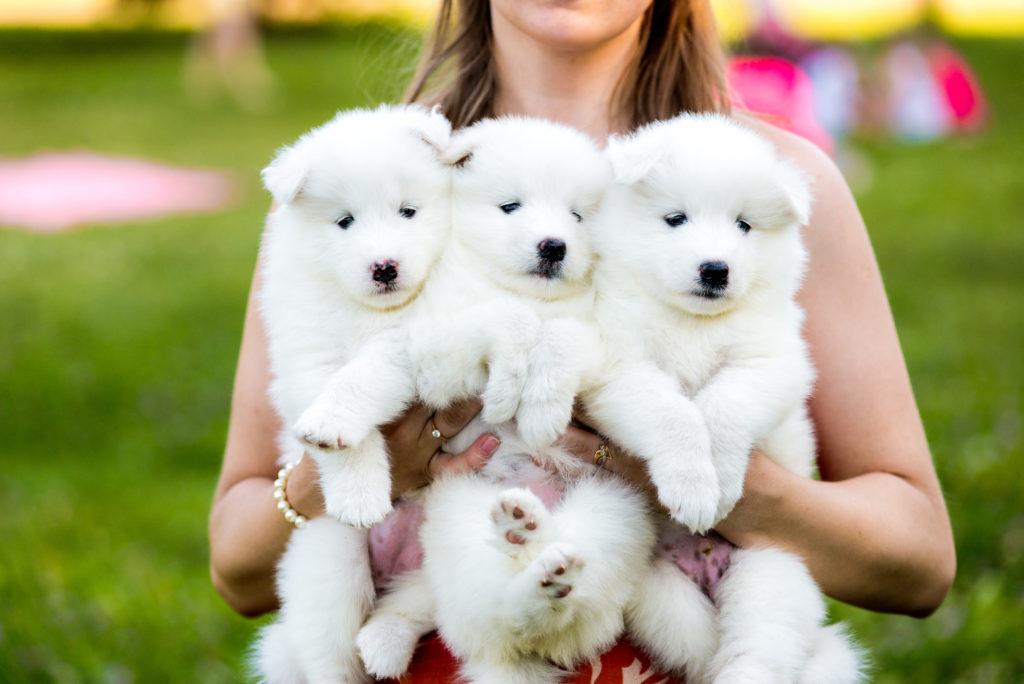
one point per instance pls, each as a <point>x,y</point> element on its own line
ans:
<point>571,25</point>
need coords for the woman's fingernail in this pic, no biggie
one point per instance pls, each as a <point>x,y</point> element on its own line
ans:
<point>490,444</point>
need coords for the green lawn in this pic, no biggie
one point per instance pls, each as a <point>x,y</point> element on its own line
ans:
<point>117,351</point>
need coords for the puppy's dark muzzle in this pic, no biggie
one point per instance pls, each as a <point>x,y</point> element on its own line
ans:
<point>551,250</point>
<point>384,274</point>
<point>550,257</point>
<point>713,277</point>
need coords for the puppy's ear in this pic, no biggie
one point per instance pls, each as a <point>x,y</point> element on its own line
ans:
<point>631,157</point>
<point>460,148</point>
<point>433,128</point>
<point>795,187</point>
<point>285,176</point>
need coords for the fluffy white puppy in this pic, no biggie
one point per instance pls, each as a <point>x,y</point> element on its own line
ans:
<point>514,587</point>
<point>701,262</point>
<point>515,284</point>
<point>362,215</point>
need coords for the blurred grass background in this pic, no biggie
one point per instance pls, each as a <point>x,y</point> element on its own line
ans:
<point>118,344</point>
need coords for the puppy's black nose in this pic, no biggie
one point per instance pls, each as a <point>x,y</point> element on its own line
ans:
<point>714,274</point>
<point>384,272</point>
<point>551,250</point>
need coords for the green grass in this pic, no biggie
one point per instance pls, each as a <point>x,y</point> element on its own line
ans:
<point>117,351</point>
<point>945,221</point>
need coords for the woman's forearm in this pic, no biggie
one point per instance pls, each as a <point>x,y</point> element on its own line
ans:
<point>872,540</point>
<point>247,536</point>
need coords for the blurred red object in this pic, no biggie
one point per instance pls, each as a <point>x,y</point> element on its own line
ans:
<point>57,191</point>
<point>963,92</point>
<point>781,91</point>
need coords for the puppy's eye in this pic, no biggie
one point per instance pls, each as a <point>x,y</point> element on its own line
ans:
<point>675,220</point>
<point>407,211</point>
<point>509,207</point>
<point>743,225</point>
<point>577,215</point>
<point>345,221</point>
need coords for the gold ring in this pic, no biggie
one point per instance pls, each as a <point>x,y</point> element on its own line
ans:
<point>602,455</point>
<point>435,433</point>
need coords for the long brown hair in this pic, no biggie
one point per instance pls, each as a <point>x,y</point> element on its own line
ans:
<point>678,65</point>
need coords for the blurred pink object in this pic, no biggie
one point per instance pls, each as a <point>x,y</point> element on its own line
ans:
<point>780,90</point>
<point>957,81</point>
<point>57,191</point>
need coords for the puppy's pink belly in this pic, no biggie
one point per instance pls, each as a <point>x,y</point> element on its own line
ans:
<point>704,558</point>
<point>395,543</point>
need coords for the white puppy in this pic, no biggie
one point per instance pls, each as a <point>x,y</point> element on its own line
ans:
<point>515,588</point>
<point>701,262</point>
<point>362,215</point>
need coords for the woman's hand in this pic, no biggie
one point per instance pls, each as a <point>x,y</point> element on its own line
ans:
<point>583,442</point>
<point>416,454</point>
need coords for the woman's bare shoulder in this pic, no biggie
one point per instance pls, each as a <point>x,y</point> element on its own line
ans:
<point>811,158</point>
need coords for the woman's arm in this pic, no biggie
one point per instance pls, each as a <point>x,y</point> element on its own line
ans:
<point>875,531</point>
<point>247,532</point>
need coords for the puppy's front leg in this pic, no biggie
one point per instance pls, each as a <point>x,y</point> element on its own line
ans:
<point>356,482</point>
<point>372,389</point>
<point>341,430</point>
<point>480,349</point>
<point>568,351</point>
<point>515,331</point>
<point>644,410</point>
<point>742,404</point>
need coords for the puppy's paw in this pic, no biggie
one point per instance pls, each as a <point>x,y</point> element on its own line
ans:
<point>386,645</point>
<point>357,484</point>
<point>437,385</point>
<point>330,426</point>
<point>541,423</point>
<point>520,519</point>
<point>731,492</point>
<point>689,491</point>
<point>360,508</point>
<point>509,361</point>
<point>731,462</point>
<point>556,570</point>
<point>504,390</point>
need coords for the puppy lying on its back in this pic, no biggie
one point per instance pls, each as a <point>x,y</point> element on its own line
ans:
<point>362,215</point>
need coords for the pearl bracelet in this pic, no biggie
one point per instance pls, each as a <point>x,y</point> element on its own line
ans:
<point>290,514</point>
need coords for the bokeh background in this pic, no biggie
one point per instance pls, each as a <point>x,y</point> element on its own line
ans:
<point>132,133</point>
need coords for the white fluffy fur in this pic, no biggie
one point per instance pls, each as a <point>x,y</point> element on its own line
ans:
<point>512,586</point>
<point>515,587</point>
<point>737,353</point>
<point>493,320</point>
<point>334,332</point>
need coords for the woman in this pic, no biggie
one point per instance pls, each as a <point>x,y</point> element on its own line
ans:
<point>874,531</point>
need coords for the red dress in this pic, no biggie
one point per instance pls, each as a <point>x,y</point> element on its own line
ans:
<point>623,664</point>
